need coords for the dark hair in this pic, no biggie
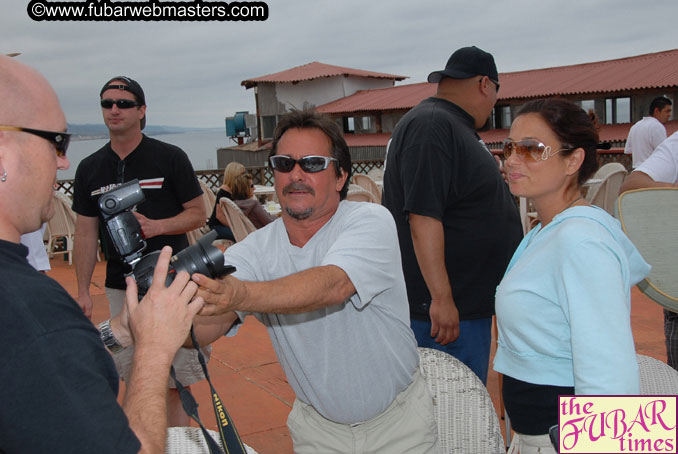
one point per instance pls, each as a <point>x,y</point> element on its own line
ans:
<point>240,186</point>
<point>659,103</point>
<point>574,128</point>
<point>309,119</point>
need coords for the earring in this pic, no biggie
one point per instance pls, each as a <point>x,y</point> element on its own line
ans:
<point>4,177</point>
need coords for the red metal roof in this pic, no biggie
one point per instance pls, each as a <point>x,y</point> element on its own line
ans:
<point>607,133</point>
<point>656,70</point>
<point>316,70</point>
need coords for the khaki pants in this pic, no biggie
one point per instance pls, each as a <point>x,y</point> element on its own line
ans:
<point>186,364</point>
<point>531,444</point>
<point>406,426</point>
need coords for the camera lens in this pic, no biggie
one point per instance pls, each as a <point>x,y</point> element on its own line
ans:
<point>201,258</point>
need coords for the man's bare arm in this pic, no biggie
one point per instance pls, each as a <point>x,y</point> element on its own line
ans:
<point>84,254</point>
<point>428,238</point>
<point>305,291</point>
<point>639,180</point>
<point>159,325</point>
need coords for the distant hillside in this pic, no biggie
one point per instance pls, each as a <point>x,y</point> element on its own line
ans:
<point>99,131</point>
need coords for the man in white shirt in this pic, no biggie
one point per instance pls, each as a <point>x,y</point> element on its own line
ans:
<point>661,170</point>
<point>649,132</point>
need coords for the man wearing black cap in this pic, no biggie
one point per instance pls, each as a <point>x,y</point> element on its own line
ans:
<point>172,207</point>
<point>458,224</point>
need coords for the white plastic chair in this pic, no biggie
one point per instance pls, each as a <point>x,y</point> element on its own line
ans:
<point>649,218</point>
<point>61,225</point>
<point>367,183</point>
<point>208,196</point>
<point>467,420</point>
<point>604,194</point>
<point>358,194</point>
<point>376,173</point>
<point>240,224</point>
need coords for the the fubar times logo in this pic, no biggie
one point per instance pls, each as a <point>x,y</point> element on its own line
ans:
<point>618,424</point>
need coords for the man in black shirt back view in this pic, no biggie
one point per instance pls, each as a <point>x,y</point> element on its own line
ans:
<point>458,224</point>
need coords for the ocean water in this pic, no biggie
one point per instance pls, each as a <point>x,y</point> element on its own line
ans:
<point>200,146</point>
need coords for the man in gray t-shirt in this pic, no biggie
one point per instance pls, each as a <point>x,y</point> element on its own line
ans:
<point>326,280</point>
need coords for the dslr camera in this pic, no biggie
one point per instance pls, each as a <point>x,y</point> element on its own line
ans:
<point>125,232</point>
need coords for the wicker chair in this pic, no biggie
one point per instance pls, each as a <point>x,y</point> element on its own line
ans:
<point>190,440</point>
<point>657,378</point>
<point>467,421</point>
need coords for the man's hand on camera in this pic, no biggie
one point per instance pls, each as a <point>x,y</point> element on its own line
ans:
<point>220,295</point>
<point>149,227</point>
<point>163,318</point>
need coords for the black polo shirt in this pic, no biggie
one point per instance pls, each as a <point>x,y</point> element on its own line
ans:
<point>437,166</point>
<point>166,177</point>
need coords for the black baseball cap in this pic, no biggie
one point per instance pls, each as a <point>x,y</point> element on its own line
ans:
<point>465,63</point>
<point>132,86</point>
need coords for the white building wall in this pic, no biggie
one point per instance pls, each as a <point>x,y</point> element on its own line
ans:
<point>353,84</point>
<point>310,93</point>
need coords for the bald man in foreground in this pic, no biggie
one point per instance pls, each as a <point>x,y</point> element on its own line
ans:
<point>59,385</point>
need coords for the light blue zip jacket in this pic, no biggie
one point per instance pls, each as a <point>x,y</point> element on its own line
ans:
<point>564,305</point>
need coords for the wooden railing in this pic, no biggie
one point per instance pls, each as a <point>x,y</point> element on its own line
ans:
<point>262,175</point>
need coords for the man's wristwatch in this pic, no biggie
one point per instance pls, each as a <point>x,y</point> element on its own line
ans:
<point>108,338</point>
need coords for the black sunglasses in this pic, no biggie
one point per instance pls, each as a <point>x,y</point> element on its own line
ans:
<point>495,82</point>
<point>60,140</point>
<point>121,103</point>
<point>309,164</point>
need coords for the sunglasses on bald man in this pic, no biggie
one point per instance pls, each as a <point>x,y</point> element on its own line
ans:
<point>60,140</point>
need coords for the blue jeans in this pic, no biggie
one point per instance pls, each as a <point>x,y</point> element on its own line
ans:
<point>472,347</point>
<point>224,232</point>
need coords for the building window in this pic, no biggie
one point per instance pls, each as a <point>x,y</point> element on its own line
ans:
<point>364,125</point>
<point>501,116</point>
<point>359,125</point>
<point>267,126</point>
<point>617,110</point>
<point>588,105</point>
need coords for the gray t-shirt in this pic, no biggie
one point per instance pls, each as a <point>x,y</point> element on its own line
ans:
<point>348,361</point>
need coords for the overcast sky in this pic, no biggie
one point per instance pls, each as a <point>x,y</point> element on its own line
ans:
<point>191,71</point>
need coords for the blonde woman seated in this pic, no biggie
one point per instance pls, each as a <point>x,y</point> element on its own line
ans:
<point>242,193</point>
<point>563,307</point>
<point>217,220</point>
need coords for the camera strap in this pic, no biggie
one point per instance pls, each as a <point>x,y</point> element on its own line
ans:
<point>229,435</point>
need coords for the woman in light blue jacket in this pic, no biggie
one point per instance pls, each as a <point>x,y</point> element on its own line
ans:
<point>563,307</point>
